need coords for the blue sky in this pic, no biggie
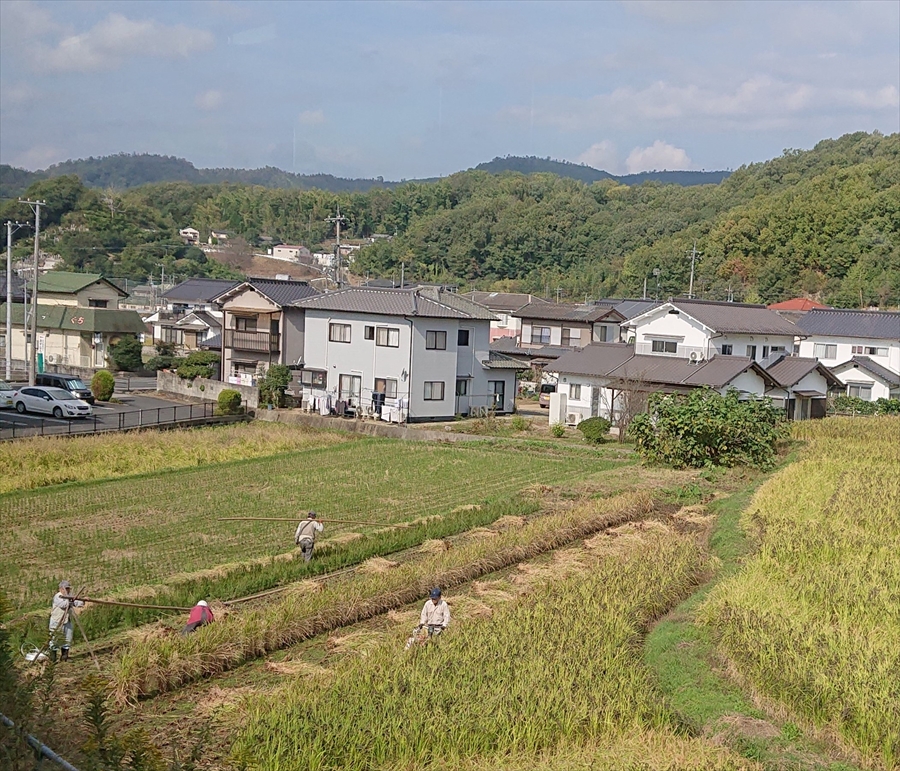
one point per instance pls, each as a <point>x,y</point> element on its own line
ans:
<point>416,89</point>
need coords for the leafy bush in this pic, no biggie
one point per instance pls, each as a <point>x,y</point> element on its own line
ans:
<point>519,423</point>
<point>102,385</point>
<point>229,402</point>
<point>862,407</point>
<point>126,354</point>
<point>273,385</point>
<point>707,429</point>
<point>198,364</point>
<point>558,430</point>
<point>594,429</point>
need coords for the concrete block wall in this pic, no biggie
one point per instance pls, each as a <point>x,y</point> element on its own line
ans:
<point>170,383</point>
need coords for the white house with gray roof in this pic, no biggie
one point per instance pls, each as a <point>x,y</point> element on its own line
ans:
<point>861,347</point>
<point>700,329</point>
<point>412,354</point>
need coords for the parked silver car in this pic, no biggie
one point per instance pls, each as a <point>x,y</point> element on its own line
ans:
<point>6,395</point>
<point>51,401</point>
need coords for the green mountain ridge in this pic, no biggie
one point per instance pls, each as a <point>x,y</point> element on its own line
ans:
<point>125,171</point>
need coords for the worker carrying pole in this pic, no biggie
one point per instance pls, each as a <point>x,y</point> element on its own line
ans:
<point>305,537</point>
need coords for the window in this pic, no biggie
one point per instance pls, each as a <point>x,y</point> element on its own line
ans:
<point>313,378</point>
<point>751,352</point>
<point>388,337</point>
<point>172,335</point>
<point>869,350</point>
<point>540,335</point>
<point>462,387</point>
<point>575,391</point>
<point>462,337</point>
<point>570,336</point>
<point>369,333</point>
<point>825,351</point>
<point>98,303</point>
<point>860,390</point>
<point>350,387</point>
<point>603,334</point>
<point>245,323</point>
<point>778,349</point>
<point>497,389</point>
<point>339,333</point>
<point>386,386</point>
<point>436,341</point>
<point>434,391</point>
<point>664,346</point>
<point>765,351</point>
<point>727,350</point>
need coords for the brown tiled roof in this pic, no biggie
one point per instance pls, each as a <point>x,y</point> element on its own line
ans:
<point>796,304</point>
<point>568,312</point>
<point>427,301</point>
<point>792,369</point>
<point>597,359</point>
<point>735,318</point>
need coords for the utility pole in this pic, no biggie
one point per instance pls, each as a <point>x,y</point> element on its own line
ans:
<point>656,272</point>
<point>9,235</point>
<point>645,289</point>
<point>558,293</point>
<point>337,249</point>
<point>694,255</point>
<point>32,361</point>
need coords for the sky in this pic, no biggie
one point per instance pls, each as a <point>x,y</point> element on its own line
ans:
<point>413,89</point>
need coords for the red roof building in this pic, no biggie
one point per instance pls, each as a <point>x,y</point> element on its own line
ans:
<point>801,304</point>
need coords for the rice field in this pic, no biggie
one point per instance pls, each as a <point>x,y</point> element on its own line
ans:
<point>109,536</point>
<point>541,675</point>
<point>813,620</point>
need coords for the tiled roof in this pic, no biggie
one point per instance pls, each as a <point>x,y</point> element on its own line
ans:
<point>16,285</point>
<point>872,325</point>
<point>796,304</point>
<point>873,367</point>
<point>61,282</point>
<point>735,317</point>
<point>510,346</point>
<point>567,312</point>
<point>631,308</point>
<point>498,360</point>
<point>199,290</point>
<point>81,319</point>
<point>789,370</point>
<point>425,301</point>
<point>597,359</point>
<point>505,302</point>
<point>283,292</point>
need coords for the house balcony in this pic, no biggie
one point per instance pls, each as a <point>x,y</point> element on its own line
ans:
<point>260,342</point>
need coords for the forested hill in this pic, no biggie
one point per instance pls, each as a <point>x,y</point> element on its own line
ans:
<point>124,171</point>
<point>823,223</point>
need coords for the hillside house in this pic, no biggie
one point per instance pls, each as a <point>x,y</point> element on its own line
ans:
<point>803,385</point>
<point>567,325</point>
<point>503,305</point>
<point>700,329</point>
<point>261,327</point>
<point>412,354</point>
<point>862,348</point>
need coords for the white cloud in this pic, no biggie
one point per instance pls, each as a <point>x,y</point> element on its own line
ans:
<point>658,157</point>
<point>681,12</point>
<point>39,157</point>
<point>106,45</point>
<point>209,100</point>
<point>311,118</point>
<point>601,155</point>
<point>19,94</point>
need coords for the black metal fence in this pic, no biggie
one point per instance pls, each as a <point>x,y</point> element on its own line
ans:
<point>15,426</point>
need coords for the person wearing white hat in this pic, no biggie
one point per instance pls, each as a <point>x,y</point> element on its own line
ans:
<point>200,616</point>
<point>61,629</point>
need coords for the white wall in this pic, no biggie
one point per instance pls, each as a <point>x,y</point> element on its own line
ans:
<point>748,382</point>
<point>844,350</point>
<point>763,343</point>
<point>850,375</point>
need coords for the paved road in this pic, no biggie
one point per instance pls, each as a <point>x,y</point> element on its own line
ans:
<point>134,410</point>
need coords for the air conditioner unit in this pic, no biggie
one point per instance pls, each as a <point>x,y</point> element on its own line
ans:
<point>696,356</point>
<point>51,358</point>
<point>573,418</point>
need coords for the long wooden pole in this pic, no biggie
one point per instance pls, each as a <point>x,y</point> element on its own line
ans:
<point>298,521</point>
<point>132,604</point>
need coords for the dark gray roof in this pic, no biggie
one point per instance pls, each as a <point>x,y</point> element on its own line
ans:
<point>283,292</point>
<point>16,284</point>
<point>212,343</point>
<point>426,301</point>
<point>631,308</point>
<point>498,360</point>
<point>597,359</point>
<point>874,325</point>
<point>504,302</point>
<point>734,317</point>
<point>567,312</point>
<point>199,290</point>
<point>789,370</point>
<point>511,347</point>
<point>873,367</point>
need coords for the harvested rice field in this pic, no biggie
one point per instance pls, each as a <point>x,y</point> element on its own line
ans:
<point>566,569</point>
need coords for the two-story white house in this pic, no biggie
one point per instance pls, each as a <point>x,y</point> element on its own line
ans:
<point>700,329</point>
<point>412,354</point>
<point>862,348</point>
<point>567,325</point>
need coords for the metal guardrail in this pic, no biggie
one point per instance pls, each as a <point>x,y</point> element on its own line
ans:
<point>122,421</point>
<point>41,750</point>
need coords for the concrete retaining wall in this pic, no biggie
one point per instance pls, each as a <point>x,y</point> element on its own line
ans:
<point>170,383</point>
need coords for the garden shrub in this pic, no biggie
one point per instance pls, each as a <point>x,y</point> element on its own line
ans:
<point>198,364</point>
<point>704,428</point>
<point>862,407</point>
<point>558,430</point>
<point>229,402</point>
<point>594,429</point>
<point>273,385</point>
<point>102,385</point>
<point>519,423</point>
<point>126,354</point>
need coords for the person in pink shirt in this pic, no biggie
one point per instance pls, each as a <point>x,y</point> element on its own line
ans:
<point>200,615</point>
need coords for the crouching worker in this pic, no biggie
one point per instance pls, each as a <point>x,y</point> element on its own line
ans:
<point>305,537</point>
<point>61,621</point>
<point>433,620</point>
<point>200,616</point>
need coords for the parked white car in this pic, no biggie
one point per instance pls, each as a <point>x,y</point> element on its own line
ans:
<point>51,401</point>
<point>6,395</point>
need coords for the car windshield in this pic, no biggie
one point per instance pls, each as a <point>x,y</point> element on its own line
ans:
<point>64,396</point>
<point>4,386</point>
<point>548,389</point>
<point>76,383</point>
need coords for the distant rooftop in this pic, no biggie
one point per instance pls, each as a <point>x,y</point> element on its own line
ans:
<point>426,301</point>
<point>802,304</point>
<point>732,318</point>
<point>872,325</point>
<point>199,290</point>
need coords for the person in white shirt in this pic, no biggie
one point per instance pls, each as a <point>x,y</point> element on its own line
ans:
<point>61,621</point>
<point>305,537</point>
<point>435,614</point>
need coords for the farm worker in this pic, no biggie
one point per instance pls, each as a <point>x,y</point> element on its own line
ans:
<point>61,620</point>
<point>200,616</point>
<point>435,614</point>
<point>305,537</point>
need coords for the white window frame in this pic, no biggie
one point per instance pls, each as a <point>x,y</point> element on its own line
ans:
<point>575,391</point>
<point>664,346</point>
<point>825,350</point>
<point>858,388</point>
<point>539,338</point>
